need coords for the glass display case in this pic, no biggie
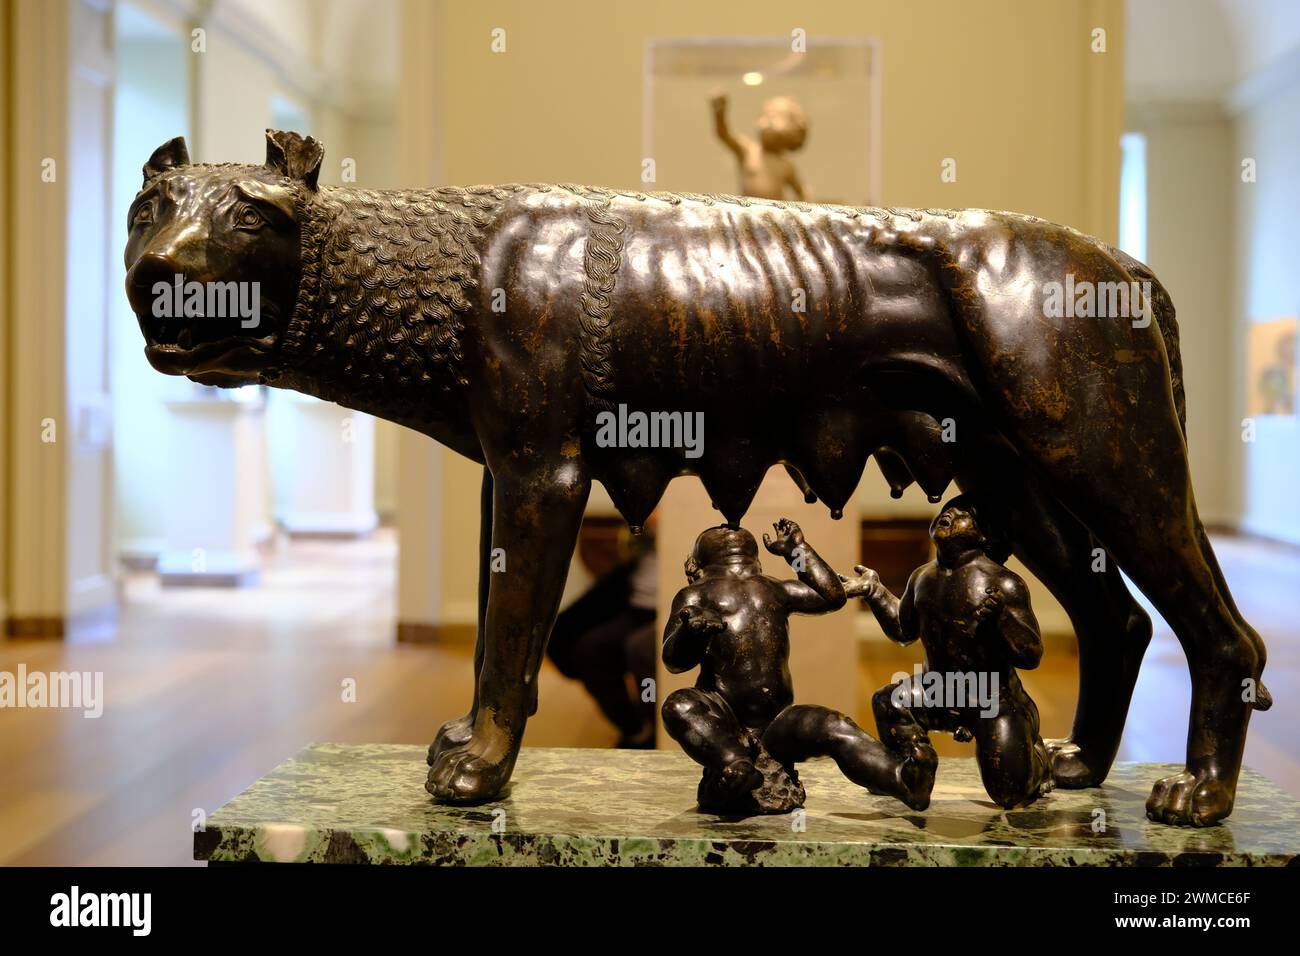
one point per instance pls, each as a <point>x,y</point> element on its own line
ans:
<point>835,82</point>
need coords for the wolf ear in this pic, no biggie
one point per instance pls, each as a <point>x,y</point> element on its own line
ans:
<point>167,156</point>
<point>291,155</point>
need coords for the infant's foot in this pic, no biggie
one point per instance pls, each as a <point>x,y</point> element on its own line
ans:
<point>1043,767</point>
<point>740,776</point>
<point>916,775</point>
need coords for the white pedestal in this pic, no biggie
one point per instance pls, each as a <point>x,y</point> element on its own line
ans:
<point>214,493</point>
<point>324,468</point>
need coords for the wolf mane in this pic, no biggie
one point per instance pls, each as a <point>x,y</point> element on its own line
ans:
<point>387,277</point>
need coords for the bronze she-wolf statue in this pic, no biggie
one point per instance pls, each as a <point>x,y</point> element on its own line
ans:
<point>514,323</point>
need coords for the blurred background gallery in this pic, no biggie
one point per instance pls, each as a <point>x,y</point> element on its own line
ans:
<point>254,570</point>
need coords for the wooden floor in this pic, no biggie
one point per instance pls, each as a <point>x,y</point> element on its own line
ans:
<point>206,690</point>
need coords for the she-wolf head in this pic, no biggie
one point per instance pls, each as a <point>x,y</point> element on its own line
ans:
<point>213,258</point>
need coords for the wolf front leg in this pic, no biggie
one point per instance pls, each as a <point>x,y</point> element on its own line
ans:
<point>535,519</point>
<point>456,732</point>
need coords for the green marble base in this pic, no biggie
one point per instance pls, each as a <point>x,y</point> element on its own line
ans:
<point>336,803</point>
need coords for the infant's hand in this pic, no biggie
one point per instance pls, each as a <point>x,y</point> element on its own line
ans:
<point>719,102</point>
<point>864,583</point>
<point>990,606</point>
<point>789,537</point>
<point>700,619</point>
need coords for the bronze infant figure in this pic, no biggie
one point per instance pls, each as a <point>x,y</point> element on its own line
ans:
<point>739,720</point>
<point>973,617</point>
<point>503,321</point>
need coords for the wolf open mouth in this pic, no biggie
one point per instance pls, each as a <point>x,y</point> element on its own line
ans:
<point>180,346</point>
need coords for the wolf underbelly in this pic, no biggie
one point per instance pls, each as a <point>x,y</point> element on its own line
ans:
<point>757,334</point>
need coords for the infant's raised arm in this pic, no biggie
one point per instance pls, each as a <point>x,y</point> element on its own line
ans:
<point>818,590</point>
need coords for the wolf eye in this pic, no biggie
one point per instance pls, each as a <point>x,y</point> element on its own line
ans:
<point>144,215</point>
<point>249,218</point>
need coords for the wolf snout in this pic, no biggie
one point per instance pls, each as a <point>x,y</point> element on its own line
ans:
<point>143,278</point>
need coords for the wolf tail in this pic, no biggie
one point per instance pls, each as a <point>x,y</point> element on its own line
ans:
<point>1163,308</point>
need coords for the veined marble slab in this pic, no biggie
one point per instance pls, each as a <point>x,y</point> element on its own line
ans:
<point>347,803</point>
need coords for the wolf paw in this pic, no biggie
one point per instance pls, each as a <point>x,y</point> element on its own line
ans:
<point>1197,799</point>
<point>454,733</point>
<point>474,772</point>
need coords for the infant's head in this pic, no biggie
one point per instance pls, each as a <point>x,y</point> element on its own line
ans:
<point>719,546</point>
<point>970,522</point>
<point>782,126</point>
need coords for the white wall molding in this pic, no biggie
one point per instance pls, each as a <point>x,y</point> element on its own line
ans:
<point>173,13</point>
<point>1287,535</point>
<point>1278,77</point>
<point>1174,91</point>
<point>317,86</point>
<point>1143,113</point>
<point>242,27</point>
<point>40,67</point>
<point>59,527</point>
<point>299,76</point>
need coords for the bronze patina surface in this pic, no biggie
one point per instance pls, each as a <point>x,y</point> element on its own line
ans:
<point>740,721</point>
<point>503,320</point>
<point>973,618</point>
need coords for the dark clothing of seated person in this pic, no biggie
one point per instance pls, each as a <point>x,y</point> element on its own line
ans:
<point>606,640</point>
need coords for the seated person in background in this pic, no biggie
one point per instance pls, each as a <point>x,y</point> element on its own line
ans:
<point>974,620</point>
<point>606,639</point>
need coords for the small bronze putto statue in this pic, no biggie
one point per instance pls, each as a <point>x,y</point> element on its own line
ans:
<point>391,302</point>
<point>763,164</point>
<point>740,720</point>
<point>973,617</point>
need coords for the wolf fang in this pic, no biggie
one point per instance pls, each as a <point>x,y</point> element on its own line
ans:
<point>179,299</point>
<point>651,430</point>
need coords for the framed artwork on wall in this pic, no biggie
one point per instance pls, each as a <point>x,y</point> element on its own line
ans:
<point>1271,373</point>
